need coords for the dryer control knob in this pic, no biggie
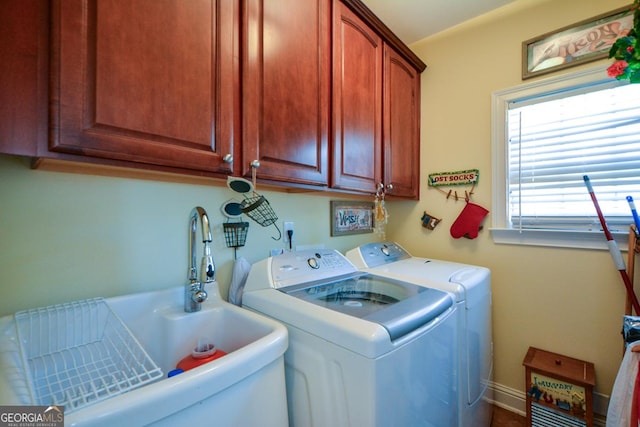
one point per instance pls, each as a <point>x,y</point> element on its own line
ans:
<point>313,263</point>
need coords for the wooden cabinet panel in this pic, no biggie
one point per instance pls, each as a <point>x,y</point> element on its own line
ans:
<point>286,75</point>
<point>401,126</point>
<point>23,75</point>
<point>150,81</point>
<point>357,103</point>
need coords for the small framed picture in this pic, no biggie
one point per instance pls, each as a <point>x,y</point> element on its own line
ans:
<point>351,217</point>
<point>579,43</point>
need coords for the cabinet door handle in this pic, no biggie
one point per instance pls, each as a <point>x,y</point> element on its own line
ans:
<point>389,187</point>
<point>255,164</point>
<point>228,158</point>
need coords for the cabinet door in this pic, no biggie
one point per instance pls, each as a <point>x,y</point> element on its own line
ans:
<point>357,103</point>
<point>150,81</point>
<point>286,87</point>
<point>23,75</point>
<point>401,126</point>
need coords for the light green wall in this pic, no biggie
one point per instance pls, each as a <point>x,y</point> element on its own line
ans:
<point>67,236</point>
<point>564,300</point>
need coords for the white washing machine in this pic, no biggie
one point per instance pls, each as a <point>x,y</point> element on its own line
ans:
<point>472,287</point>
<point>363,350</point>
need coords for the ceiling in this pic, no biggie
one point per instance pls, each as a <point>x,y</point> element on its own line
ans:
<point>413,20</point>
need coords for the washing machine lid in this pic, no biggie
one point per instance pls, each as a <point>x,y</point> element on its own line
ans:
<point>399,307</point>
<point>466,282</point>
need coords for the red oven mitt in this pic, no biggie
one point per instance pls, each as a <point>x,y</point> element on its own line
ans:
<point>468,222</point>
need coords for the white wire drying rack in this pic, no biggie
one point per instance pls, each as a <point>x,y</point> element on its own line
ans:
<point>80,353</point>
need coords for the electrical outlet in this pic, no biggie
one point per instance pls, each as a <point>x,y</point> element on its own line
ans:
<point>287,225</point>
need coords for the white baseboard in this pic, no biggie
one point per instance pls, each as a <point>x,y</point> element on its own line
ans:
<point>509,398</point>
<point>514,400</point>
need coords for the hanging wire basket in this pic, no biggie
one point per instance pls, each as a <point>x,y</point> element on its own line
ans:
<point>258,209</point>
<point>235,233</point>
<point>255,206</point>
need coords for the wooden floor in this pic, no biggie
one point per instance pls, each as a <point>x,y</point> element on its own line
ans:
<point>504,418</point>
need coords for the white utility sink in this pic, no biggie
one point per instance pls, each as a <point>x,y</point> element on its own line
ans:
<point>244,388</point>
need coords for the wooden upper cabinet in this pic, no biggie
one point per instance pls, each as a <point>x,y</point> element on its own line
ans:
<point>286,90</point>
<point>357,103</point>
<point>319,93</point>
<point>401,126</point>
<point>376,106</point>
<point>148,81</point>
<point>23,76</point>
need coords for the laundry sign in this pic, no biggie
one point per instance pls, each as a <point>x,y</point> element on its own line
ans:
<point>556,393</point>
<point>465,177</point>
<point>351,217</point>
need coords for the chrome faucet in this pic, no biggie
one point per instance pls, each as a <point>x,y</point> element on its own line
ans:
<point>194,292</point>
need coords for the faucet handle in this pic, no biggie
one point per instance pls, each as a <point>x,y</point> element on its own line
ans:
<point>199,296</point>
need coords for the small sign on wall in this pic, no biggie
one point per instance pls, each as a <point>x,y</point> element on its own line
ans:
<point>351,217</point>
<point>466,177</point>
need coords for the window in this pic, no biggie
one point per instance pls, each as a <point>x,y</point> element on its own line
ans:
<point>550,134</point>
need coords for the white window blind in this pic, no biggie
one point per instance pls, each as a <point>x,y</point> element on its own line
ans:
<point>555,139</point>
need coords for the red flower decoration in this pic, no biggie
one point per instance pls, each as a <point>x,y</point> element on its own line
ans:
<point>618,68</point>
<point>625,51</point>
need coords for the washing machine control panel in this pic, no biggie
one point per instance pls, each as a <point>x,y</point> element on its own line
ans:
<point>295,268</point>
<point>380,253</point>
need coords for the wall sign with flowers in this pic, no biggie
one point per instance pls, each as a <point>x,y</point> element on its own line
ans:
<point>626,51</point>
<point>579,43</point>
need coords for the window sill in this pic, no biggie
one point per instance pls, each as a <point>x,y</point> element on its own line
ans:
<point>559,239</point>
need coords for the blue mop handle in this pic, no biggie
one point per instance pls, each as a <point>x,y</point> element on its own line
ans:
<point>636,219</point>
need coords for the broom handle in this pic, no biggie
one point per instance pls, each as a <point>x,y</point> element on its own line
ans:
<point>613,249</point>
<point>636,218</point>
<point>631,257</point>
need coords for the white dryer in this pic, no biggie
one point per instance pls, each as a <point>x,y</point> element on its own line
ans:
<point>363,350</point>
<point>472,287</point>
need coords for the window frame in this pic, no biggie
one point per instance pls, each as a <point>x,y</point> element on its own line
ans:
<point>500,230</point>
